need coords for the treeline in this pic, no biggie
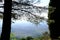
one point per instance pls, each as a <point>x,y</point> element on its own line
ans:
<point>45,36</point>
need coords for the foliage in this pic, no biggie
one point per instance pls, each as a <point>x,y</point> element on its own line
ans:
<point>12,37</point>
<point>22,39</point>
<point>29,38</point>
<point>51,10</point>
<point>1,16</point>
<point>27,11</point>
<point>50,21</point>
<point>45,36</point>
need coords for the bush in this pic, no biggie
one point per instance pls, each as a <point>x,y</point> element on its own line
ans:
<point>29,38</point>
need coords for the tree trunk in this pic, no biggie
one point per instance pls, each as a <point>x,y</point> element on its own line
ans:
<point>6,27</point>
<point>54,26</point>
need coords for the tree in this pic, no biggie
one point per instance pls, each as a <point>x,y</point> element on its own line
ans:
<point>29,38</point>
<point>29,11</point>
<point>54,20</point>
<point>24,9</point>
<point>6,27</point>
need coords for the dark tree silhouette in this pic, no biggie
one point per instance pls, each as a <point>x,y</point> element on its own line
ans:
<point>0,0</point>
<point>6,27</point>
<point>54,31</point>
<point>54,16</point>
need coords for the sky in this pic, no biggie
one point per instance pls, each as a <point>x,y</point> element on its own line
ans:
<point>38,3</point>
<point>42,3</point>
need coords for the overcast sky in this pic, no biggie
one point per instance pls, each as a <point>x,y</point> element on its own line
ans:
<point>38,3</point>
<point>45,2</point>
<point>42,2</point>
